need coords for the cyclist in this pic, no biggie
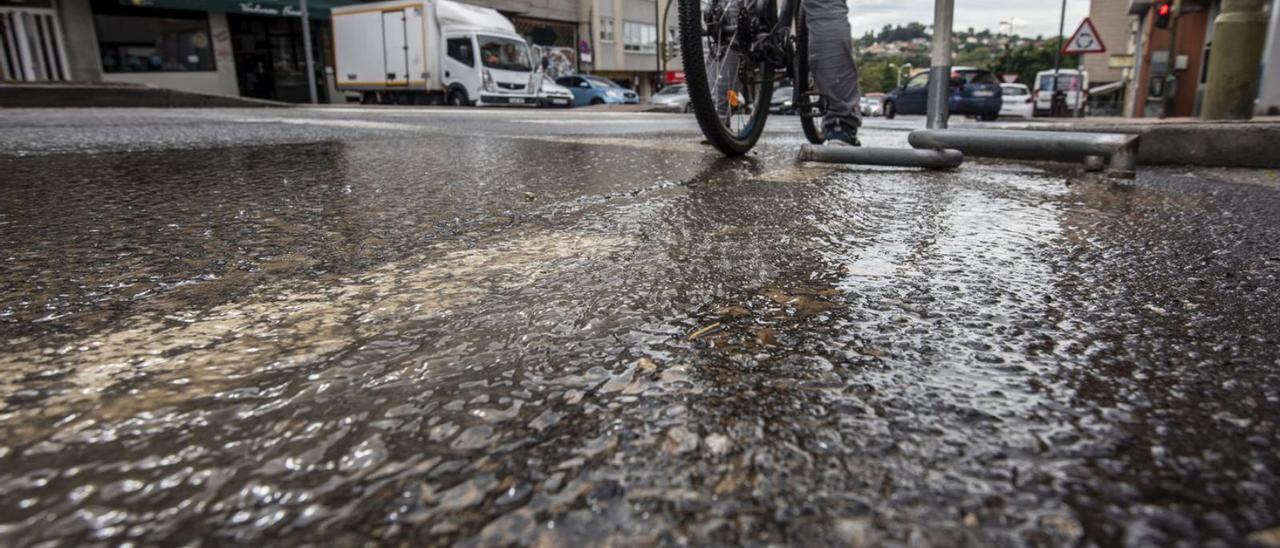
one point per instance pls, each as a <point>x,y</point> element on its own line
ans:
<point>830,61</point>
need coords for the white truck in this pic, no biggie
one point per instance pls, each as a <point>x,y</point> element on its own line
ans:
<point>432,51</point>
<point>1073,83</point>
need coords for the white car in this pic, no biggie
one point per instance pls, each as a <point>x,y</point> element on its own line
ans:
<point>871,106</point>
<point>674,97</point>
<point>1016,101</point>
<point>552,94</point>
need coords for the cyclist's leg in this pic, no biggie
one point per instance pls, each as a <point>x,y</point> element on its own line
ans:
<point>831,61</point>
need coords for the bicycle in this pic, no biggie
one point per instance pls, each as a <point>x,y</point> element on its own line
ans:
<point>732,50</point>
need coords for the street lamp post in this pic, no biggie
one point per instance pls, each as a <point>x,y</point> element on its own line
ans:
<point>899,69</point>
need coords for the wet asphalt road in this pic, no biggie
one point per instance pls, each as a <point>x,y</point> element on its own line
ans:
<point>493,327</point>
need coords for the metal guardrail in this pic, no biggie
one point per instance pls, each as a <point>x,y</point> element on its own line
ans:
<point>1119,150</point>
<point>876,156</point>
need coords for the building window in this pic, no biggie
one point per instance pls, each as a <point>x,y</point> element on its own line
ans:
<point>606,29</point>
<point>133,39</point>
<point>639,37</point>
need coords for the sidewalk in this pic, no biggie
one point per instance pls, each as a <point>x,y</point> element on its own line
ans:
<point>1185,141</point>
<point>115,94</point>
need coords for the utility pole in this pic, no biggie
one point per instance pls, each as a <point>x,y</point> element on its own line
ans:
<point>306,46</point>
<point>938,107</point>
<point>1239,33</point>
<point>1057,57</point>
<point>1171,73</point>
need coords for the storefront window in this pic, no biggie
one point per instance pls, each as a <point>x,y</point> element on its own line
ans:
<point>133,39</point>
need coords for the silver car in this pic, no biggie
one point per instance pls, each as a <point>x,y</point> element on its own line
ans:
<point>552,94</point>
<point>871,106</point>
<point>673,98</point>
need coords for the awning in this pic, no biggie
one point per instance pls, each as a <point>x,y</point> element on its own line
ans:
<point>317,9</point>
<point>1106,88</point>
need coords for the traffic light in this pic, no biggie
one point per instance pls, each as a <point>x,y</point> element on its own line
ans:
<point>1164,10</point>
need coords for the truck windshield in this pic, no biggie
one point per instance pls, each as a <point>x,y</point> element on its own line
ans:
<point>1070,82</point>
<point>504,53</point>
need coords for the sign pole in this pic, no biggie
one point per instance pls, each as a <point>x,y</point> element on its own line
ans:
<point>940,65</point>
<point>1084,40</point>
<point>1057,54</point>
<point>306,46</point>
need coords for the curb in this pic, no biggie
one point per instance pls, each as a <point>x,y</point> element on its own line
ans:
<point>1218,144</point>
<point>116,96</point>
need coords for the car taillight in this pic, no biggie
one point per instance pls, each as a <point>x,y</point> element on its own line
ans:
<point>1029,99</point>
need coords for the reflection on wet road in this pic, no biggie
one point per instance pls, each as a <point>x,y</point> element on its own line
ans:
<point>583,337</point>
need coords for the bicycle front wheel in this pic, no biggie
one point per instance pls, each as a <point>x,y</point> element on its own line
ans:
<point>729,90</point>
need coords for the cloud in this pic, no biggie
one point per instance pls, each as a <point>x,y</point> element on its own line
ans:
<point>1032,17</point>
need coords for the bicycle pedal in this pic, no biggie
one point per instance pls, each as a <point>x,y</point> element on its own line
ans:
<point>812,105</point>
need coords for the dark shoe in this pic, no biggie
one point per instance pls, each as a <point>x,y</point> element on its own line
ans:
<point>839,135</point>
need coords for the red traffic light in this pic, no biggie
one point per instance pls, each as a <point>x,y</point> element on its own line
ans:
<point>1164,12</point>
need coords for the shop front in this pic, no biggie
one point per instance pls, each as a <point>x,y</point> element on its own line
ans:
<point>270,57</point>
<point>250,49</point>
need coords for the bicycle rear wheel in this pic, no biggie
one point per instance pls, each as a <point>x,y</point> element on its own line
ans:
<point>729,87</point>
<point>804,81</point>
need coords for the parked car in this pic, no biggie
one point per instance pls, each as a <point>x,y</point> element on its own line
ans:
<point>781,101</point>
<point>973,92</point>
<point>871,106</point>
<point>674,97</point>
<point>1073,82</point>
<point>594,90</point>
<point>1015,100</point>
<point>552,94</point>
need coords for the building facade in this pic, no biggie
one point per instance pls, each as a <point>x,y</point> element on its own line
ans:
<point>254,48</point>
<point>1185,71</point>
<point>623,42</point>
<point>249,49</point>
<point>1111,19</point>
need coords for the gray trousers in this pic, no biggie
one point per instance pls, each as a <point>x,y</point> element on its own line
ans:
<point>830,61</point>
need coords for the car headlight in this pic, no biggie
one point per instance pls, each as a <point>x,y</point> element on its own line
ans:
<point>786,103</point>
<point>614,93</point>
<point>487,80</point>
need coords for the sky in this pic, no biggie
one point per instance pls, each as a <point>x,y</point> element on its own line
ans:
<point>1031,17</point>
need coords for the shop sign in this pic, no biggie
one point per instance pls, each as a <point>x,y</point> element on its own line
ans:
<point>255,8</point>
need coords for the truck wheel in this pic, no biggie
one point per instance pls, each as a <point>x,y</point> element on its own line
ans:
<point>889,110</point>
<point>458,98</point>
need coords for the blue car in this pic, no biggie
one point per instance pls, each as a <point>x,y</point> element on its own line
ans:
<point>974,92</point>
<point>594,90</point>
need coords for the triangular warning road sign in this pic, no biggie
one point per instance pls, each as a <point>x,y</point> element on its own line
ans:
<point>1085,40</point>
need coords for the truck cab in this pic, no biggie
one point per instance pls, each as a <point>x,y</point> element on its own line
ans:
<point>485,62</point>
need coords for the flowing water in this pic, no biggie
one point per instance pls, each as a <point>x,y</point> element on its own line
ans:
<point>630,342</point>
